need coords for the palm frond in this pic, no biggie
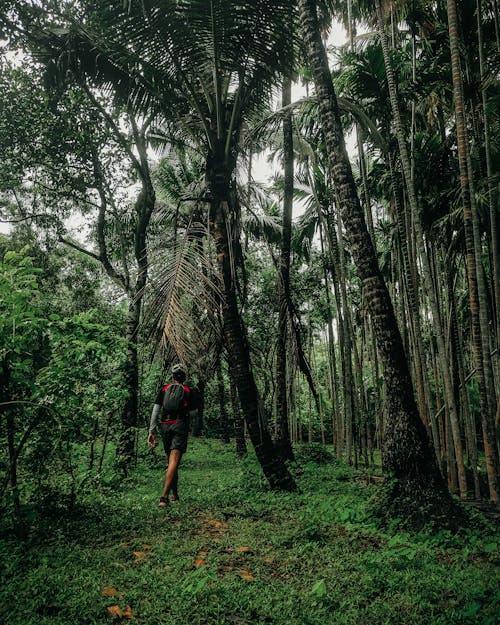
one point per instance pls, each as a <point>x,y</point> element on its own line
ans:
<point>306,110</point>
<point>184,307</point>
<point>262,226</point>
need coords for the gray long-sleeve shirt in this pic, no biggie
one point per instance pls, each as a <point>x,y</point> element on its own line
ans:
<point>154,418</point>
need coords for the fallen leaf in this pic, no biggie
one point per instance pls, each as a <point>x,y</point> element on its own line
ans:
<point>147,546</point>
<point>243,549</point>
<point>127,613</point>
<point>111,592</point>
<point>244,574</point>
<point>140,554</point>
<point>115,610</point>
<point>216,524</point>
<point>199,562</point>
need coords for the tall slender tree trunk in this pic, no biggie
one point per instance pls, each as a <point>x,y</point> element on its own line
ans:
<point>239,425</point>
<point>492,196</point>
<point>487,420</point>
<point>224,228</point>
<point>144,207</point>
<point>126,443</point>
<point>223,419</point>
<point>345,418</point>
<point>408,455</point>
<point>197,422</point>
<point>332,360</point>
<point>282,442</point>
<point>11,477</point>
<point>406,166</point>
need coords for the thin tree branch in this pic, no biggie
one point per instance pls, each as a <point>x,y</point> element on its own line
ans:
<point>80,249</point>
<point>16,221</point>
<point>113,126</point>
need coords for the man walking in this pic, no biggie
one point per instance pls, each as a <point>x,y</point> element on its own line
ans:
<point>173,402</point>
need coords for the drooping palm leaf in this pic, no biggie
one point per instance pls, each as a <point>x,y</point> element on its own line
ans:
<point>183,312</point>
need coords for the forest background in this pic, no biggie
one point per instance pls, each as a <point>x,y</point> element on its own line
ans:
<point>362,332</point>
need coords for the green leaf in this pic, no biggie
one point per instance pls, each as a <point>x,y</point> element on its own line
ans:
<point>319,588</point>
<point>491,548</point>
<point>473,609</point>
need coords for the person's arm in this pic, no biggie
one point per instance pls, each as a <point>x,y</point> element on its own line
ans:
<point>154,419</point>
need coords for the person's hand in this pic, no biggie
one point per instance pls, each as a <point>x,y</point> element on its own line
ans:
<point>151,440</point>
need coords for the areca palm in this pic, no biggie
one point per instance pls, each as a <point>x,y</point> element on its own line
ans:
<point>408,454</point>
<point>471,244</point>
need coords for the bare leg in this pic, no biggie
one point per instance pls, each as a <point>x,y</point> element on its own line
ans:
<point>171,475</point>
<point>174,487</point>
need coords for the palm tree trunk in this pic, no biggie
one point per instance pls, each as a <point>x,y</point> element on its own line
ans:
<point>345,431</point>
<point>332,361</point>
<point>405,162</point>
<point>223,217</point>
<point>495,254</point>
<point>408,454</point>
<point>490,447</point>
<point>468,418</point>
<point>223,419</point>
<point>144,207</point>
<point>239,426</point>
<point>282,441</point>
<point>197,424</point>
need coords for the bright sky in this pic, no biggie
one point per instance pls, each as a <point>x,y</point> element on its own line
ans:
<point>262,170</point>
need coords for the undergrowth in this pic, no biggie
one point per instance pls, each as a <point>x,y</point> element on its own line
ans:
<point>233,552</point>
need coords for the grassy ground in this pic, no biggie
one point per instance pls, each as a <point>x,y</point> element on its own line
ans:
<point>233,553</point>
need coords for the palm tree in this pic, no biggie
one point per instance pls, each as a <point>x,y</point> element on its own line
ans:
<point>408,455</point>
<point>416,219</point>
<point>282,431</point>
<point>203,67</point>
<point>490,448</point>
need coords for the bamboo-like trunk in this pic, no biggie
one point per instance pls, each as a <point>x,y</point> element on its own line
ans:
<point>223,419</point>
<point>407,453</point>
<point>490,447</point>
<point>223,226</point>
<point>239,426</point>
<point>433,298</point>
<point>282,440</point>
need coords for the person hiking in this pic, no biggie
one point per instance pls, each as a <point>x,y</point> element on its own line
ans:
<point>173,402</point>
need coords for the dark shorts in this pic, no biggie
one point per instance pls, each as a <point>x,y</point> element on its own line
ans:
<point>174,436</point>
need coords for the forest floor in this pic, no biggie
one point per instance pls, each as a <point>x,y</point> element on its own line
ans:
<point>234,553</point>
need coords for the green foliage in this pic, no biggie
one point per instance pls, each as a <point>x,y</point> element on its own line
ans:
<point>226,555</point>
<point>313,452</point>
<point>21,318</point>
<point>60,376</point>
